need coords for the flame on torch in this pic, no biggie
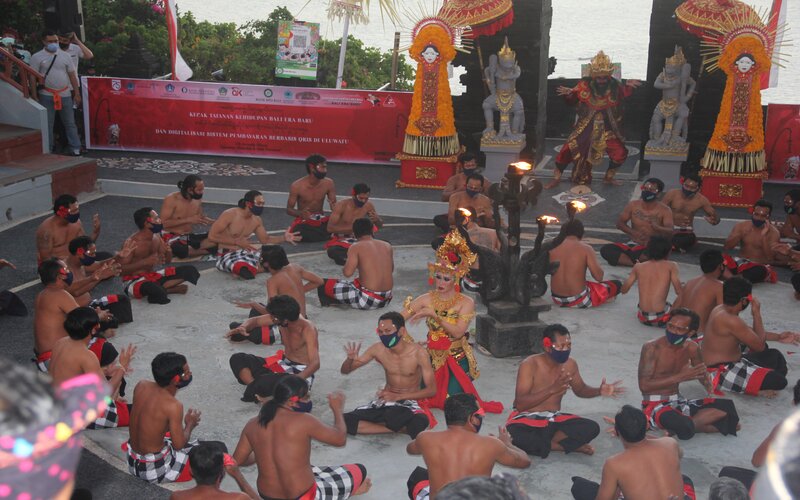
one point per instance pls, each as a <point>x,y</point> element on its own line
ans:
<point>465,212</point>
<point>547,219</point>
<point>578,205</point>
<point>522,166</point>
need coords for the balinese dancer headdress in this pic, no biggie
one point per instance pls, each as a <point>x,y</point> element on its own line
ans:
<point>738,33</point>
<point>453,256</point>
<point>601,65</point>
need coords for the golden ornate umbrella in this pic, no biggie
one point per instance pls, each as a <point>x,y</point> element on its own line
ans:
<point>696,16</point>
<point>485,17</point>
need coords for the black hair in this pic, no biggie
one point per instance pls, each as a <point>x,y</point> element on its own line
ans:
<point>658,182</point>
<point>499,487</point>
<point>475,176</point>
<point>465,157</point>
<point>458,408</point>
<point>430,45</point>
<point>80,322</point>
<point>284,307</point>
<point>206,463</point>
<point>550,331</point>
<point>140,216</point>
<point>362,227</point>
<point>188,183</point>
<point>694,318</point>
<point>65,200</point>
<point>80,242</point>
<point>314,160</point>
<point>47,33</point>
<point>710,260</point>
<point>658,248</point>
<point>794,194</point>
<point>49,270</point>
<point>796,398</point>
<point>360,188</point>
<point>249,197</point>
<point>459,217</point>
<point>763,203</point>
<point>274,256</point>
<point>286,388</point>
<point>630,424</point>
<point>745,54</point>
<point>166,366</point>
<point>693,176</point>
<point>573,227</point>
<point>395,317</point>
<point>735,289</point>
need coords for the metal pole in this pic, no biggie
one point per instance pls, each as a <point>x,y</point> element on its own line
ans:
<point>395,60</point>
<point>342,51</point>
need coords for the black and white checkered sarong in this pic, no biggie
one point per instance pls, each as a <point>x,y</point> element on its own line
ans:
<point>109,419</point>
<point>232,262</point>
<point>743,376</point>
<point>358,297</point>
<point>334,483</point>
<point>164,466</point>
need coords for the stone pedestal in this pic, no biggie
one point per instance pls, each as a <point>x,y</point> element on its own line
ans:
<point>498,156</point>
<point>666,164</point>
<point>511,329</point>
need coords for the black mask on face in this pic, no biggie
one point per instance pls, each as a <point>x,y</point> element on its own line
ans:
<point>64,46</point>
<point>183,383</point>
<point>196,196</point>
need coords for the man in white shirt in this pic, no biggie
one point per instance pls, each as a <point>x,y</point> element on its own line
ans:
<point>60,88</point>
<point>72,45</point>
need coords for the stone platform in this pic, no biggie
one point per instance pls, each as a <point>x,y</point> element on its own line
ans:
<point>606,343</point>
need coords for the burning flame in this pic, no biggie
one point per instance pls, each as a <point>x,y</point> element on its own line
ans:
<point>465,212</point>
<point>522,165</point>
<point>579,206</point>
<point>547,219</point>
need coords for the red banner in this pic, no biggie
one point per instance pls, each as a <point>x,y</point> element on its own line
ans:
<point>354,126</point>
<point>782,142</point>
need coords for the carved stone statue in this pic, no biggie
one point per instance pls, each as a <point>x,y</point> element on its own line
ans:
<point>501,76</point>
<point>669,126</point>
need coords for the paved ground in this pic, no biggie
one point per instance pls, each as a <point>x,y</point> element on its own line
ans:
<point>195,323</point>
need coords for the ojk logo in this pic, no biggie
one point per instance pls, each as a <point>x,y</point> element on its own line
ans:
<point>236,92</point>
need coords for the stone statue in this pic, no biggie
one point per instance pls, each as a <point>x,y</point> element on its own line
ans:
<point>501,76</point>
<point>669,126</point>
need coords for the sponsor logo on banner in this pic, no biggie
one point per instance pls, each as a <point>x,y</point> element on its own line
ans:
<point>184,90</point>
<point>170,87</point>
<point>236,92</point>
<point>223,91</point>
<point>130,87</point>
<point>116,84</point>
<point>267,93</point>
<point>307,96</point>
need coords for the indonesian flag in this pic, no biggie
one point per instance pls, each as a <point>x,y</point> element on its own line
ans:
<point>180,70</point>
<point>777,18</point>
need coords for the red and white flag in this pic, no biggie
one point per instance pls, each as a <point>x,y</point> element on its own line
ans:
<point>180,70</point>
<point>777,20</point>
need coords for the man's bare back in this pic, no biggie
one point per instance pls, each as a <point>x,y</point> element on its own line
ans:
<point>720,344</point>
<point>51,308</point>
<point>156,411</point>
<point>289,281</point>
<point>575,258</point>
<point>701,295</point>
<point>646,470</point>
<point>654,277</point>
<point>374,260</point>
<point>70,359</point>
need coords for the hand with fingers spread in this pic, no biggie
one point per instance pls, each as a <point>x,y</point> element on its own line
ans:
<point>612,390</point>
<point>352,348</point>
<point>126,356</point>
<point>561,383</point>
<point>291,237</point>
<point>192,418</point>
<point>789,338</point>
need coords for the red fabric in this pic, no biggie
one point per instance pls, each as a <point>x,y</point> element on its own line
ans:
<point>45,356</point>
<point>755,381</point>
<point>688,490</point>
<point>598,293</point>
<point>123,415</point>
<point>355,472</point>
<point>97,347</point>
<point>493,27</point>
<point>186,475</point>
<point>535,422</point>
<point>426,410</point>
<point>336,241</point>
<point>442,380</point>
<point>271,363</point>
<point>308,222</point>
<point>237,268</point>
<point>419,487</point>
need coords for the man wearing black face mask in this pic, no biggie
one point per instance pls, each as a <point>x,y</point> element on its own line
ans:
<point>537,424</point>
<point>50,310</point>
<point>55,232</point>
<point>139,275</point>
<point>152,455</point>
<point>757,238</point>
<point>180,212</point>
<point>666,362</point>
<point>790,231</point>
<point>307,200</point>
<point>466,165</point>
<point>684,203</point>
<point>459,451</point>
<point>340,225</point>
<point>761,368</point>
<point>399,406</point>
<point>648,217</point>
<point>473,197</point>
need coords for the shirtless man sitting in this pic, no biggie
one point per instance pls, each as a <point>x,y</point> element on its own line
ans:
<point>648,217</point>
<point>466,165</point>
<point>568,285</point>
<point>684,203</point>
<point>181,211</point>
<point>285,279</point>
<point>232,230</point>
<point>113,309</point>
<point>307,200</point>
<point>72,357</point>
<point>654,277</point>
<point>647,468</point>
<point>341,222</point>
<point>459,451</point>
<point>152,455</point>
<point>790,230</point>
<point>374,261</point>
<point>299,337</point>
<point>409,379</point>
<point>483,213</point>
<point>537,424</point>
<point>50,310</point>
<point>757,238</point>
<point>209,465</point>
<point>56,231</point>
<point>139,276</point>
<point>481,236</point>
<point>666,362</point>
<point>704,293</point>
<point>761,368</point>
<point>279,440</point>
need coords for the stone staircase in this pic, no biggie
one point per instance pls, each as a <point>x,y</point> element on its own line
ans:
<point>30,180</point>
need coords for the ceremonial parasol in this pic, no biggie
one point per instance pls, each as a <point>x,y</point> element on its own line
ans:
<point>696,16</point>
<point>485,17</point>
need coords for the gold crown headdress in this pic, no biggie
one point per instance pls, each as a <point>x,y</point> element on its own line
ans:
<point>453,256</point>
<point>678,59</point>
<point>506,54</point>
<point>601,65</point>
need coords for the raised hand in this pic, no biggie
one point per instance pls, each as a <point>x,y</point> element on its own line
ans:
<point>561,383</point>
<point>126,356</point>
<point>336,401</point>
<point>612,390</point>
<point>96,223</point>
<point>352,348</point>
<point>192,418</point>
<point>291,237</point>
<point>562,90</point>
<point>504,436</point>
